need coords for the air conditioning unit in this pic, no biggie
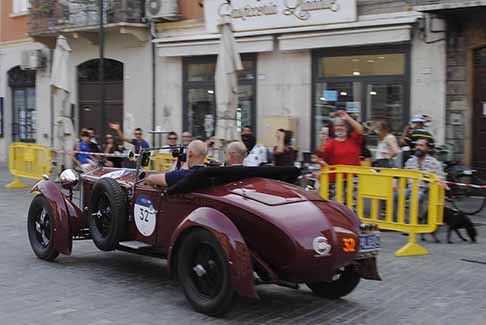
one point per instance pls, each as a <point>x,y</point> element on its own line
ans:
<point>33,60</point>
<point>162,10</point>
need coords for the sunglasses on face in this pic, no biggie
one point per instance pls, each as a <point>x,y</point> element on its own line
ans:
<point>172,138</point>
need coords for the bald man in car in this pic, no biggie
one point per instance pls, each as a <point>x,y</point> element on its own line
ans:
<point>235,154</point>
<point>197,152</point>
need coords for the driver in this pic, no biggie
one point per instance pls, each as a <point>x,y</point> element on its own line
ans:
<point>197,152</point>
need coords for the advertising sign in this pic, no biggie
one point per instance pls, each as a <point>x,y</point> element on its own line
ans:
<point>269,14</point>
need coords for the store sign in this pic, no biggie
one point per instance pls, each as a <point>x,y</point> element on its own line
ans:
<point>269,14</point>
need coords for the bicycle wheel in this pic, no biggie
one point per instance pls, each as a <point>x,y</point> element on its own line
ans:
<point>467,199</point>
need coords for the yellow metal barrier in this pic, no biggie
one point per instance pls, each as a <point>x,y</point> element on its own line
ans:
<point>163,162</point>
<point>387,197</point>
<point>29,161</point>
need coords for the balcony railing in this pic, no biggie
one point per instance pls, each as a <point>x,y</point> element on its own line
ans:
<point>53,16</point>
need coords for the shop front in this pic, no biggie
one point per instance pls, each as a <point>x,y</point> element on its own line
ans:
<point>298,70</point>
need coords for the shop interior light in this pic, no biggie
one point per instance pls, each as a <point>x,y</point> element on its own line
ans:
<point>343,93</point>
<point>373,93</point>
<point>210,92</point>
<point>356,73</point>
<point>323,99</point>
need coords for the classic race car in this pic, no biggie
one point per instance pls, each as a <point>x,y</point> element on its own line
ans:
<point>223,230</point>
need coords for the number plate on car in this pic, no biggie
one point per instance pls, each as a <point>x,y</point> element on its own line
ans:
<point>368,242</point>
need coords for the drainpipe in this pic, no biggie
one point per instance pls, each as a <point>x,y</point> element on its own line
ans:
<point>154,79</point>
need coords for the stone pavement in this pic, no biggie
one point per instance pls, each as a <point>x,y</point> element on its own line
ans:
<point>92,287</point>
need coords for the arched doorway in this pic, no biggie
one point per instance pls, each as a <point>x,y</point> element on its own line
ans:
<point>24,119</point>
<point>90,115</point>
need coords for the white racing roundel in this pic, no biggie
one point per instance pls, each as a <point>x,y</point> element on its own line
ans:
<point>145,216</point>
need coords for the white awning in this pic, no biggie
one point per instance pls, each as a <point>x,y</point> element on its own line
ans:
<point>352,37</point>
<point>211,47</point>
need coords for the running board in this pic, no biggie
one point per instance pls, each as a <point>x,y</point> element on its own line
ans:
<point>134,244</point>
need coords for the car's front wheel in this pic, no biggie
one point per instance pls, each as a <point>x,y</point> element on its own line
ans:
<point>41,229</point>
<point>107,214</point>
<point>204,273</point>
<point>343,283</point>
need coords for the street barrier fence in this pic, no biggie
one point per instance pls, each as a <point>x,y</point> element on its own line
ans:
<point>29,161</point>
<point>163,162</point>
<point>408,201</point>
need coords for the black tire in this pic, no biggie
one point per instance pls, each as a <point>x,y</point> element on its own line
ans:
<point>108,214</point>
<point>40,228</point>
<point>345,282</point>
<point>468,200</point>
<point>211,291</point>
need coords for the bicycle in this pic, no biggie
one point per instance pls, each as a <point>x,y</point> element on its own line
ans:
<point>464,198</point>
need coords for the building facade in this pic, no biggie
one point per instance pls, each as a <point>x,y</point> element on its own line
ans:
<point>19,89</point>
<point>26,52</point>
<point>466,76</point>
<point>303,60</point>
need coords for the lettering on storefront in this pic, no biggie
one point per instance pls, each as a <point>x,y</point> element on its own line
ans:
<point>265,14</point>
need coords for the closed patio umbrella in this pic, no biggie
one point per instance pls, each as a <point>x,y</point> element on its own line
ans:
<point>64,131</point>
<point>228,64</point>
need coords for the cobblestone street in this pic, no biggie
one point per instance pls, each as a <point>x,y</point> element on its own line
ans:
<point>93,287</point>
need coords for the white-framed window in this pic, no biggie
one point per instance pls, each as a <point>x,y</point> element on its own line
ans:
<point>20,6</point>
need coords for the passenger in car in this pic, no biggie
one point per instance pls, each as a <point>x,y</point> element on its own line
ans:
<point>235,154</point>
<point>197,152</point>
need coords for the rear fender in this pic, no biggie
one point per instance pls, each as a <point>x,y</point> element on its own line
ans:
<point>230,240</point>
<point>62,234</point>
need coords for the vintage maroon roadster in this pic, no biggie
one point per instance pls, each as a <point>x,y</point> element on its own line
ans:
<point>223,230</point>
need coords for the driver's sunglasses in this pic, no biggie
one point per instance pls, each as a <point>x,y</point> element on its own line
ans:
<point>172,138</point>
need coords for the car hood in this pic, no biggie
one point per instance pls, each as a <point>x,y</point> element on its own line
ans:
<point>270,192</point>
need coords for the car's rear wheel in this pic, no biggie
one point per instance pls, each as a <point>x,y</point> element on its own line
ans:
<point>41,229</point>
<point>204,273</point>
<point>107,214</point>
<point>343,283</point>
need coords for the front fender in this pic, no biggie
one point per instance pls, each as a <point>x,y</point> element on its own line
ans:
<point>62,233</point>
<point>230,240</point>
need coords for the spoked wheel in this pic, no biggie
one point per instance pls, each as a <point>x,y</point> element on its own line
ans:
<point>468,200</point>
<point>107,214</point>
<point>204,273</point>
<point>103,218</point>
<point>40,229</point>
<point>343,283</point>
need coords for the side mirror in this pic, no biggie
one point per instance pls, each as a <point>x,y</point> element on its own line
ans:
<point>145,158</point>
<point>69,179</point>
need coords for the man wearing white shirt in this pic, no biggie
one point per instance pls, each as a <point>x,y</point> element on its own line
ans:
<point>257,154</point>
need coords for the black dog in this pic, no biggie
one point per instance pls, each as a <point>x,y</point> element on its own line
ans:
<point>455,220</point>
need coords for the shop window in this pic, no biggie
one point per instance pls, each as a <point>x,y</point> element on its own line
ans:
<point>362,65</point>
<point>24,122</point>
<point>200,97</point>
<point>20,6</point>
<point>370,86</point>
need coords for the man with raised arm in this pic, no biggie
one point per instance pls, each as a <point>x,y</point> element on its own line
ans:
<point>197,152</point>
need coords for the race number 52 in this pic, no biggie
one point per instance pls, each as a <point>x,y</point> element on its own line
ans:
<point>349,245</point>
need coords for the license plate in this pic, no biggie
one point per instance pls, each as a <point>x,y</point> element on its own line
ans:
<point>369,242</point>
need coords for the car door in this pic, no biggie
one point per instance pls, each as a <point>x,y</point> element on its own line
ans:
<point>174,208</point>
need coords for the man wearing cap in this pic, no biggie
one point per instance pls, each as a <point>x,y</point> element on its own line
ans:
<point>414,131</point>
